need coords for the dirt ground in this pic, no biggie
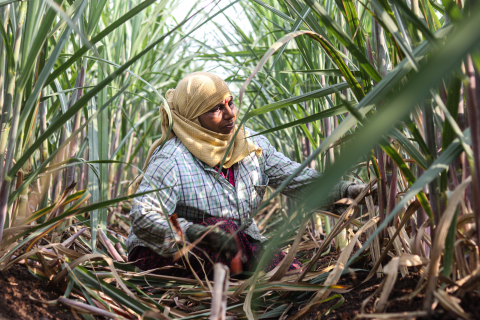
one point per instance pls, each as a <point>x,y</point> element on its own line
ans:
<point>354,299</point>
<point>397,299</point>
<point>397,302</point>
<point>16,285</point>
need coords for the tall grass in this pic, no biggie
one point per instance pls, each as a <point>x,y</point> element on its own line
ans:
<point>365,91</point>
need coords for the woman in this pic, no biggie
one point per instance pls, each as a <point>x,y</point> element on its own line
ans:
<point>186,168</point>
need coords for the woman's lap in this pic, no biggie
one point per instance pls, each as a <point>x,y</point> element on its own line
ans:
<point>147,259</point>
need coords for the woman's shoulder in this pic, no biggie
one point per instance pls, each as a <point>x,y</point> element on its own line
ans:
<point>172,149</point>
<point>258,140</point>
<point>168,159</point>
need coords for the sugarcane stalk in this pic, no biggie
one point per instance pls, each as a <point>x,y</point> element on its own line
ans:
<point>329,158</point>
<point>307,150</point>
<point>473,109</point>
<point>430,138</point>
<point>379,45</point>
<point>7,104</point>
<point>416,10</point>
<point>120,250</point>
<point>12,137</point>
<point>114,174</point>
<point>83,168</point>
<point>67,243</point>
<point>326,132</point>
<point>393,190</point>
<point>45,180</point>
<point>72,150</point>
<point>421,214</point>
<point>2,63</point>
<point>111,249</point>
<point>382,183</point>
<point>22,210</point>
<point>56,187</point>
<point>6,110</point>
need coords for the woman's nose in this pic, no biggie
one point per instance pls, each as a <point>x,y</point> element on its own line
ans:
<point>229,112</point>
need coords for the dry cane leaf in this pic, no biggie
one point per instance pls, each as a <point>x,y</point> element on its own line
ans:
<point>32,252</point>
<point>398,249</point>
<point>391,272</point>
<point>439,245</point>
<point>336,273</point>
<point>155,315</point>
<point>267,216</point>
<point>469,282</point>
<point>392,316</point>
<point>375,246</point>
<point>182,305</point>
<point>418,246</point>
<point>291,254</point>
<point>351,213</point>
<point>405,240</point>
<point>342,260</point>
<point>412,208</point>
<point>450,303</point>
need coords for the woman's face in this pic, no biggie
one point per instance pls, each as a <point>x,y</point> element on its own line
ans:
<point>221,118</point>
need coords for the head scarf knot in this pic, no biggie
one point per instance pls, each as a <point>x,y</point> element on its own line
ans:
<point>194,95</point>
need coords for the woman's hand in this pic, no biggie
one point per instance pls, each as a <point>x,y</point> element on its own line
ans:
<point>216,239</point>
<point>355,189</point>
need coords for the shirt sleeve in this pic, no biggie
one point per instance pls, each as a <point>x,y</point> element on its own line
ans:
<point>148,214</point>
<point>278,167</point>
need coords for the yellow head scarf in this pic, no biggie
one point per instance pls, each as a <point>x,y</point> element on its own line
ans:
<point>194,95</point>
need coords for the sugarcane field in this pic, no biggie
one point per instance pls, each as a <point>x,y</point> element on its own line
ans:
<point>239,159</point>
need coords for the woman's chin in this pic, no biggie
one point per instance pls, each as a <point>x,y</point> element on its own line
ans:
<point>227,130</point>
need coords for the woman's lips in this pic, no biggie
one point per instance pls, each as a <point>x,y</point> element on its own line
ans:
<point>229,125</point>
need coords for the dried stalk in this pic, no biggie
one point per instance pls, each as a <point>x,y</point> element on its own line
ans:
<point>111,249</point>
<point>220,292</point>
<point>439,243</point>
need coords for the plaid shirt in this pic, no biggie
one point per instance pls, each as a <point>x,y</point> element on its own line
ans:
<point>191,191</point>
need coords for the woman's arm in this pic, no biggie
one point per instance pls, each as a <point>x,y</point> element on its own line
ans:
<point>148,220</point>
<point>278,167</point>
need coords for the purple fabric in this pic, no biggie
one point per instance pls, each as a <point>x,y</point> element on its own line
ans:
<point>227,174</point>
<point>147,259</point>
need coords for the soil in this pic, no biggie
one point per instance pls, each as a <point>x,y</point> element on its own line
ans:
<point>17,284</point>
<point>354,299</point>
<point>398,301</point>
